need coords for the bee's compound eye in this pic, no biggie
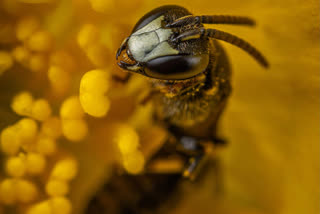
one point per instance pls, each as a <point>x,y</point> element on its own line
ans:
<point>176,67</point>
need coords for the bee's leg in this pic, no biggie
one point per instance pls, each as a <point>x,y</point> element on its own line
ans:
<point>211,19</point>
<point>197,161</point>
<point>219,141</point>
<point>166,165</point>
<point>194,166</point>
<point>186,156</point>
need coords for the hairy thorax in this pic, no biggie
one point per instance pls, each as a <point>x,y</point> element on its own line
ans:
<point>194,104</point>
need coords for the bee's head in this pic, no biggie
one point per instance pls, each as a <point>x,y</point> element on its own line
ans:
<point>149,50</point>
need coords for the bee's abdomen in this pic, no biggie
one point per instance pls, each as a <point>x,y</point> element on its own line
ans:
<point>129,194</point>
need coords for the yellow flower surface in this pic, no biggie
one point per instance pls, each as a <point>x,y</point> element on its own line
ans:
<point>68,123</point>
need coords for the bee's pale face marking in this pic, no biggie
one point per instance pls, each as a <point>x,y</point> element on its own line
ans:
<point>150,42</point>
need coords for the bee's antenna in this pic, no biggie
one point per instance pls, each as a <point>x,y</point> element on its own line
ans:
<point>213,19</point>
<point>232,39</point>
<point>227,37</point>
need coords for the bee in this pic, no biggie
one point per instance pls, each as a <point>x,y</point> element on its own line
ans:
<point>190,77</point>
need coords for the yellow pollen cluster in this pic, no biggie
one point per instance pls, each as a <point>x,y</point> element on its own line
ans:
<point>26,27</point>
<point>128,142</point>
<point>61,66</point>
<point>6,61</point>
<point>29,143</point>
<point>74,127</point>
<point>38,167</point>
<point>23,104</point>
<point>35,43</point>
<point>40,41</point>
<point>14,190</point>
<point>89,40</point>
<point>93,88</point>
<point>55,205</point>
<point>59,79</point>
